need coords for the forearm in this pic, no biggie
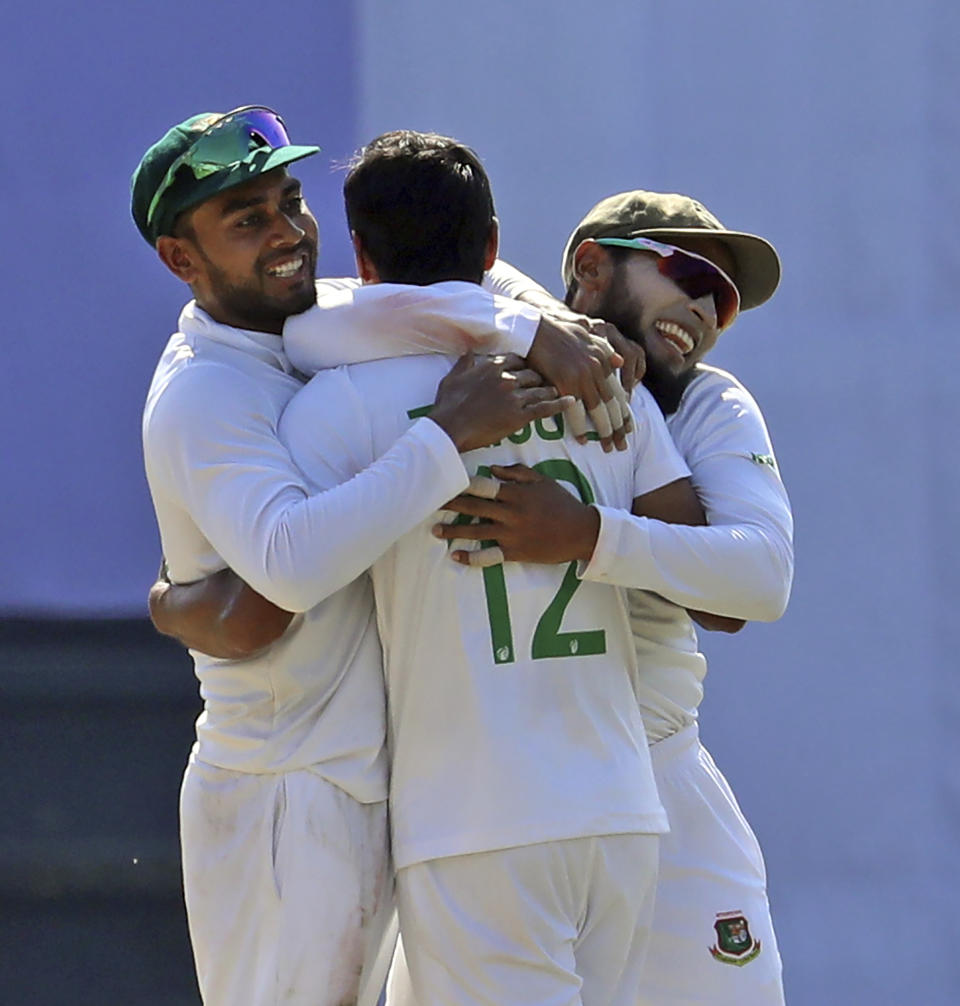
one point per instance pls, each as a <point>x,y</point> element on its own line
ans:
<point>388,319</point>
<point>508,281</point>
<point>297,549</point>
<point>737,570</point>
<point>383,320</point>
<point>216,459</point>
<point>219,615</point>
<point>741,565</point>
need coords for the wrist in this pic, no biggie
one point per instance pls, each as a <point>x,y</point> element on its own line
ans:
<point>589,535</point>
<point>545,346</point>
<point>450,425</point>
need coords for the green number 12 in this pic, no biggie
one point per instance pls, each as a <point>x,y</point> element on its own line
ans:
<point>548,640</point>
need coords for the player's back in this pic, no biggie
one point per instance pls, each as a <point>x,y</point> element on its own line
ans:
<point>512,712</point>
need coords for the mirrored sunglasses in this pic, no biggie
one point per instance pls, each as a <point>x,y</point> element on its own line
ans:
<point>695,275</point>
<point>225,143</point>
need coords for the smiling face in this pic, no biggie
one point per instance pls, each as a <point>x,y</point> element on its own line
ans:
<point>249,253</point>
<point>676,331</point>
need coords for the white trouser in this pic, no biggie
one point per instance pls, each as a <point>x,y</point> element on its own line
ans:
<point>554,924</point>
<point>281,875</point>
<point>713,941</point>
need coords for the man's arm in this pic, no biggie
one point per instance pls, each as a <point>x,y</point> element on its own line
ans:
<point>220,615</point>
<point>380,320</point>
<point>224,616</point>
<point>527,502</point>
<point>533,519</point>
<point>508,281</point>
<point>741,565</point>
<point>212,449</point>
<point>357,324</point>
<point>739,568</point>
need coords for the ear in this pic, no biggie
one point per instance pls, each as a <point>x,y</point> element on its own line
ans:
<point>180,256</point>
<point>593,271</point>
<point>366,270</point>
<point>493,244</point>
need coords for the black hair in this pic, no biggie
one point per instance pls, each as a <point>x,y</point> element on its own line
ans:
<point>421,206</point>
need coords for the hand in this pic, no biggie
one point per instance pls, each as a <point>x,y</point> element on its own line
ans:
<point>634,358</point>
<point>482,400</point>
<point>531,518</point>
<point>573,353</point>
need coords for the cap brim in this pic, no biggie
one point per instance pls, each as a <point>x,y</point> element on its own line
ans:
<point>256,164</point>
<point>287,155</point>
<point>756,263</point>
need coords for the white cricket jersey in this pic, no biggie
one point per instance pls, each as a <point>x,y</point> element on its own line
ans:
<point>740,566</point>
<point>227,493</point>
<point>512,713</point>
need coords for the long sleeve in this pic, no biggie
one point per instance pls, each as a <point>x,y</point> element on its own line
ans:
<point>381,320</point>
<point>742,564</point>
<point>212,452</point>
<point>508,281</point>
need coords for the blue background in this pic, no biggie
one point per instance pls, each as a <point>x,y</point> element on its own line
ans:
<point>88,306</point>
<point>829,128</point>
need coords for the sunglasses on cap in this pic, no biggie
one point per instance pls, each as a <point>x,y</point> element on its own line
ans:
<point>225,143</point>
<point>695,275</point>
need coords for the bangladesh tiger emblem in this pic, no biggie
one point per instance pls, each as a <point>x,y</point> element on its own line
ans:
<point>735,943</point>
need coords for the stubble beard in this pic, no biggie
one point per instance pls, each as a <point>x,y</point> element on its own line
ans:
<point>666,387</point>
<point>248,302</point>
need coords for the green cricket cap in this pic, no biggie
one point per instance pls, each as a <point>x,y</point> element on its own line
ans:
<point>673,218</point>
<point>187,191</point>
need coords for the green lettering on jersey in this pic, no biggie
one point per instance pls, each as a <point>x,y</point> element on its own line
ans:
<point>555,434</point>
<point>522,435</point>
<point>495,592</point>
<point>548,640</point>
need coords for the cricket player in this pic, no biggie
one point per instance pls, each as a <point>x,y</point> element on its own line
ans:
<point>711,860</point>
<point>524,823</point>
<point>713,939</point>
<point>283,822</point>
<point>638,260</point>
<point>518,792</point>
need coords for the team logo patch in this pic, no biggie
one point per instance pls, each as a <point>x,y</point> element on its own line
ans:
<point>735,944</point>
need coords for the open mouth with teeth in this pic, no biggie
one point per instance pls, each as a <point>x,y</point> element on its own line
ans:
<point>287,268</point>
<point>677,336</point>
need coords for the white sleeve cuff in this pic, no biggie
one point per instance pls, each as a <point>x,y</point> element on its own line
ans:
<point>516,325</point>
<point>452,478</point>
<point>623,543</point>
